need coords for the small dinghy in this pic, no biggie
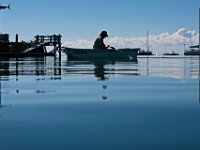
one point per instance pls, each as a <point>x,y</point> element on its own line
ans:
<point>101,54</point>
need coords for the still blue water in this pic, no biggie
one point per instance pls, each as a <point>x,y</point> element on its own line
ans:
<point>150,104</point>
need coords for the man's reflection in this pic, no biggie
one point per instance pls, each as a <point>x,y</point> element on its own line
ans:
<point>104,96</point>
<point>99,72</point>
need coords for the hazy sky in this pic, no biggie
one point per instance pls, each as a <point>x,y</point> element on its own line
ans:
<point>82,20</point>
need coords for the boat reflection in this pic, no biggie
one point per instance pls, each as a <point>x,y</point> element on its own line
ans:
<point>102,70</point>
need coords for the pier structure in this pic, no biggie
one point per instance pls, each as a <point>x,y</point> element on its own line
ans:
<point>36,48</point>
<point>50,40</point>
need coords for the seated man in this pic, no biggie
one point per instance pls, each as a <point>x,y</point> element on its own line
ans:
<point>99,44</point>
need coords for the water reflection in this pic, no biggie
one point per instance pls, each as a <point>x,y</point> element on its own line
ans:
<point>50,69</point>
<point>172,67</point>
<point>40,68</point>
<point>2,65</point>
<point>37,66</point>
<point>179,67</point>
<point>96,100</point>
<point>199,79</point>
<point>1,93</point>
<point>104,95</point>
<point>101,70</point>
<point>99,73</point>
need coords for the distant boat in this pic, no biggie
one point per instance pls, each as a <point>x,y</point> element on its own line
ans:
<point>173,53</point>
<point>193,50</point>
<point>143,52</point>
<point>101,54</point>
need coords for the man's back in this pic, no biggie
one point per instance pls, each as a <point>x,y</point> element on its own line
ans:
<point>98,44</point>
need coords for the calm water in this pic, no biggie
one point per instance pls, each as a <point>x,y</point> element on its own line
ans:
<point>150,104</point>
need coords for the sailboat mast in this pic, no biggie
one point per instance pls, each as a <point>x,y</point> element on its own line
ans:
<point>147,41</point>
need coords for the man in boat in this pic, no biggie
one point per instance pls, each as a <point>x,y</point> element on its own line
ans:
<point>99,44</point>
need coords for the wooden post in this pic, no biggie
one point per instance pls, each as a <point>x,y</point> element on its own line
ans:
<point>59,47</point>
<point>17,38</point>
<point>16,42</point>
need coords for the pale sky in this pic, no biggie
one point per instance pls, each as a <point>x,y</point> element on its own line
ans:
<point>169,22</point>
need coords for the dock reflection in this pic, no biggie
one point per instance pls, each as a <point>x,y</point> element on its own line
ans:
<point>43,68</point>
<point>1,93</point>
<point>37,66</point>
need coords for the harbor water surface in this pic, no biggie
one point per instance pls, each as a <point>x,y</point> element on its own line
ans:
<point>150,104</point>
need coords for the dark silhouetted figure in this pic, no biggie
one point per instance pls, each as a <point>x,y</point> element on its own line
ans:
<point>99,44</point>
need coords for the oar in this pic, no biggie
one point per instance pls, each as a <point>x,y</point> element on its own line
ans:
<point>130,57</point>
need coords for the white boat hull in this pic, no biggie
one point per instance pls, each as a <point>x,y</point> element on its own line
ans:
<point>102,54</point>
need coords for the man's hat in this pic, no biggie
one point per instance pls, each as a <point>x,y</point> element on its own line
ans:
<point>104,34</point>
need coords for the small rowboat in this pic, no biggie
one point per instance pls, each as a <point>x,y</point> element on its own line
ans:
<point>101,54</point>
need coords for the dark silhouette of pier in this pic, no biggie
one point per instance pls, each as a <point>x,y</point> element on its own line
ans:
<point>36,48</point>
